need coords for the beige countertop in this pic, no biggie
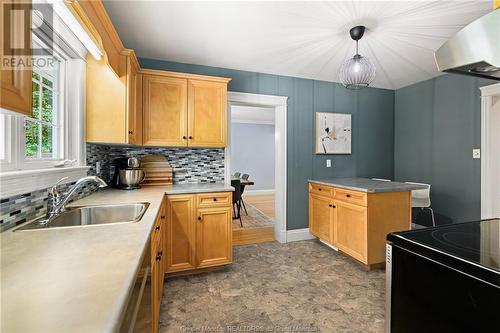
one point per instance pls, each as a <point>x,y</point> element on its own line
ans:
<point>367,185</point>
<point>78,279</point>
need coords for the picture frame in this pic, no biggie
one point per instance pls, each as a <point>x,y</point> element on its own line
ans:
<point>333,133</point>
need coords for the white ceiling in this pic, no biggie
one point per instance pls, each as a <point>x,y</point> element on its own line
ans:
<point>252,115</point>
<point>301,39</point>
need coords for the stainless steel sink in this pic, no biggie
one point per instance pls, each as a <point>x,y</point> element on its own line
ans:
<point>91,215</point>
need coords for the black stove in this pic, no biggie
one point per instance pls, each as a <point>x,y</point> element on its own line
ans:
<point>444,279</point>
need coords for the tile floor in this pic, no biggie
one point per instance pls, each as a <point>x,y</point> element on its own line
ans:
<point>302,284</point>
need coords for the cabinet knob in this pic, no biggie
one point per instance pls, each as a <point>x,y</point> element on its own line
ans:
<point>215,199</point>
<point>199,218</point>
<point>333,206</point>
<point>348,195</point>
<point>157,228</point>
<point>130,132</point>
<point>162,217</point>
<point>190,137</point>
<point>330,205</point>
<point>184,137</point>
<point>319,189</point>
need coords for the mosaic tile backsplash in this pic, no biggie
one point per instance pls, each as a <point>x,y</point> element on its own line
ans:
<point>24,207</point>
<point>190,165</point>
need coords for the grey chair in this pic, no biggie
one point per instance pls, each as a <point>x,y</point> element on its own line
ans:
<point>236,183</point>
<point>237,174</point>
<point>422,199</point>
<point>245,176</point>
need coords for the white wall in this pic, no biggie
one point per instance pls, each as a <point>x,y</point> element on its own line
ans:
<point>252,152</point>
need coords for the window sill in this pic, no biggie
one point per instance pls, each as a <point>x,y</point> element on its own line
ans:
<point>25,181</point>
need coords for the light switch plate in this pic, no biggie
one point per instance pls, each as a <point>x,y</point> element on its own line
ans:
<point>328,163</point>
<point>476,153</point>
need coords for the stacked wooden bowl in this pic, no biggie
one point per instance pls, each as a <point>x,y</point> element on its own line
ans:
<point>157,170</point>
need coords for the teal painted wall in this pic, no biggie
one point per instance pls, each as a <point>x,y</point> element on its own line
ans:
<point>373,127</point>
<point>437,124</point>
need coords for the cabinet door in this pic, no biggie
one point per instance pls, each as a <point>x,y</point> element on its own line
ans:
<point>180,235</point>
<point>15,84</point>
<point>134,103</point>
<point>214,237</point>
<point>155,284</point>
<point>321,216</point>
<point>351,230</point>
<point>165,111</point>
<point>207,115</point>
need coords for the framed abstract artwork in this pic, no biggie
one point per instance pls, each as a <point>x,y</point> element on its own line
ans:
<point>333,133</point>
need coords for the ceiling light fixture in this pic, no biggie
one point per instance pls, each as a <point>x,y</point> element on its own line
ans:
<point>357,72</point>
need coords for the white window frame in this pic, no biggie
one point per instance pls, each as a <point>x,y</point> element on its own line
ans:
<point>18,177</point>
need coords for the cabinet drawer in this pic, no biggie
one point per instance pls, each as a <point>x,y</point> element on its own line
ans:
<point>219,199</point>
<point>354,197</point>
<point>321,189</point>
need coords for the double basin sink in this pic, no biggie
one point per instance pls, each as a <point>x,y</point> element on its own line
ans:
<point>91,215</point>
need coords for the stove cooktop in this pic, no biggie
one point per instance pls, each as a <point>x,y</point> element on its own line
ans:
<point>475,242</point>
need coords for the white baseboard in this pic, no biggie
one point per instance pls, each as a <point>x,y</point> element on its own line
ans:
<point>298,235</point>
<point>258,192</point>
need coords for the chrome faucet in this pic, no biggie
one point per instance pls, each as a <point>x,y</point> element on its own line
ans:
<point>59,202</point>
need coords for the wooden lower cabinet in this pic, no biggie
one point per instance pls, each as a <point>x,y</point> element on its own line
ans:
<point>351,230</point>
<point>357,223</point>
<point>213,237</point>
<point>198,234</point>
<point>157,266</point>
<point>180,233</point>
<point>321,215</point>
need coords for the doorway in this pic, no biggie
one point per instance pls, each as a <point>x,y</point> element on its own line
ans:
<point>266,197</point>
<point>490,151</point>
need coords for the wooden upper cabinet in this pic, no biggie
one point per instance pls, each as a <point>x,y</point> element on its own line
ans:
<point>133,99</point>
<point>213,237</point>
<point>15,84</point>
<point>165,111</point>
<point>207,113</point>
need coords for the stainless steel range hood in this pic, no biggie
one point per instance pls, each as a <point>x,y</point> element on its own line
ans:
<point>474,50</point>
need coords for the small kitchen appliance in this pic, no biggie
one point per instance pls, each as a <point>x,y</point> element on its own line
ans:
<point>128,175</point>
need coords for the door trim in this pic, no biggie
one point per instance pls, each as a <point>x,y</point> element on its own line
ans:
<point>487,94</point>
<point>279,103</point>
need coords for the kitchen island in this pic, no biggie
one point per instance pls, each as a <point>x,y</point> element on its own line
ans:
<point>354,215</point>
<point>80,279</point>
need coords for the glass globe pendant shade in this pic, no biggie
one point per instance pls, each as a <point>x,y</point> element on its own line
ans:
<point>357,72</point>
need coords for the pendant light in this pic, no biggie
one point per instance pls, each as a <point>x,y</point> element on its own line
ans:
<point>357,72</point>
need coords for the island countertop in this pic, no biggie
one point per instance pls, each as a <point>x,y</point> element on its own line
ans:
<point>367,185</point>
<point>78,279</point>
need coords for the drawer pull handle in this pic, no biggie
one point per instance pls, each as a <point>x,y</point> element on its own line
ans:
<point>215,199</point>
<point>162,217</point>
<point>348,195</point>
<point>157,228</point>
<point>319,189</point>
<point>199,218</point>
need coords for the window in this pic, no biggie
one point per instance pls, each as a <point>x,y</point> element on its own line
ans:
<point>42,131</point>
<point>38,141</point>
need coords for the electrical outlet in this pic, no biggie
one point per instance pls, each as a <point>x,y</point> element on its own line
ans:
<point>328,163</point>
<point>97,167</point>
<point>476,153</point>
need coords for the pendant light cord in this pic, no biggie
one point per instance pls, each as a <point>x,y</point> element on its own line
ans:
<point>357,48</point>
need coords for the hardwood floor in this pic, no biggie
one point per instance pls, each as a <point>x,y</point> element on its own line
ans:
<point>265,203</point>
<point>258,225</point>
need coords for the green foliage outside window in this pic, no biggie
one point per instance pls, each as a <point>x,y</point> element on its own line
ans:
<point>40,122</point>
